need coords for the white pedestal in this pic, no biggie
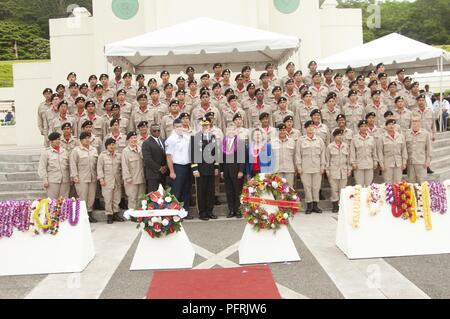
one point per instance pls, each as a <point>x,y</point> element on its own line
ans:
<point>70,251</point>
<point>267,247</point>
<point>384,235</point>
<point>172,252</point>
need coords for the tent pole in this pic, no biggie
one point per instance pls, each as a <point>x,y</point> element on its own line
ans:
<point>441,67</point>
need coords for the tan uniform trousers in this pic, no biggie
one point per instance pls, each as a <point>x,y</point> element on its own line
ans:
<point>417,174</point>
<point>393,175</point>
<point>112,199</point>
<point>363,177</point>
<point>290,177</point>
<point>133,191</point>
<point>312,183</point>
<point>336,186</point>
<point>86,192</point>
<point>57,190</point>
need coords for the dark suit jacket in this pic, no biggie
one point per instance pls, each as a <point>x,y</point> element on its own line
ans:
<point>233,162</point>
<point>154,158</point>
<point>198,145</point>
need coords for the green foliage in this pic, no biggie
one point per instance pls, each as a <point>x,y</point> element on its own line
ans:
<point>423,20</point>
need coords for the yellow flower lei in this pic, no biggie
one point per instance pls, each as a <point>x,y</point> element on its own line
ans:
<point>38,223</point>
<point>412,207</point>
<point>426,205</point>
<point>356,207</point>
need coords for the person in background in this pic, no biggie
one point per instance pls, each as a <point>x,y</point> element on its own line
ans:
<point>258,155</point>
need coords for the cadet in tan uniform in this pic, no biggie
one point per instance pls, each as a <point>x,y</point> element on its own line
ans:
<point>143,133</point>
<point>389,100</point>
<point>337,166</point>
<point>80,112</point>
<point>402,115</point>
<point>117,82</point>
<point>304,110</point>
<point>291,132</point>
<point>241,131</point>
<point>426,116</point>
<point>239,88</point>
<point>84,90</point>
<point>340,90</point>
<point>74,89</point>
<point>192,97</point>
<point>126,108</point>
<point>269,132</point>
<point>392,154</point>
<point>117,135</point>
<point>347,133</point>
<point>320,129</point>
<point>133,170</point>
<point>96,142</point>
<point>83,171</point>
<point>217,77</point>
<point>91,88</point>
<point>418,145</point>
<point>42,111</point>
<point>167,120</point>
<point>353,111</point>
<point>280,114</point>
<point>204,108</point>
<point>62,118</point>
<point>218,100</point>
<point>283,149</point>
<point>99,100</point>
<point>290,68</point>
<point>319,91</point>
<point>226,83</point>
<point>97,121</point>
<point>108,92</point>
<point>310,161</point>
<point>248,100</point>
<point>231,110</point>
<point>68,141</point>
<point>330,113</point>
<point>129,88</point>
<point>377,106</point>
<point>266,87</point>
<point>54,168</point>
<point>312,66</point>
<point>51,114</point>
<point>109,174</point>
<point>182,105</point>
<point>363,155</point>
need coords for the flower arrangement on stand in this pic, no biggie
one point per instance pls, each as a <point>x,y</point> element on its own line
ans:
<point>285,198</point>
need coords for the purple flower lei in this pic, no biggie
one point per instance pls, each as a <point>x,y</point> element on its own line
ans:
<point>438,197</point>
<point>389,194</point>
<point>73,221</point>
<point>14,214</point>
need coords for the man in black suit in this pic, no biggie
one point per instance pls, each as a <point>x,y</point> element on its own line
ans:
<point>232,166</point>
<point>204,168</point>
<point>155,161</point>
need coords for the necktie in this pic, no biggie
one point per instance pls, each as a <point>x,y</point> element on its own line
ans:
<point>160,144</point>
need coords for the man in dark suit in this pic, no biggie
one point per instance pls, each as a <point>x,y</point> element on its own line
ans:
<point>232,167</point>
<point>204,168</point>
<point>155,161</point>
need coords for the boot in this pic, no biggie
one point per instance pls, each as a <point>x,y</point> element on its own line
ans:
<point>308,209</point>
<point>429,171</point>
<point>335,207</point>
<point>92,220</point>
<point>117,218</point>
<point>110,219</point>
<point>316,209</point>
<point>98,205</point>
<point>321,196</point>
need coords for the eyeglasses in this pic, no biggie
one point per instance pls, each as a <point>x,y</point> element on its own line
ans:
<point>156,131</point>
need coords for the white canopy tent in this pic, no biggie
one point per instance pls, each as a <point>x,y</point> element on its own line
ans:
<point>200,43</point>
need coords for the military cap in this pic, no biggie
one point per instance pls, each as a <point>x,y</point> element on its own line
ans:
<point>189,69</point>
<point>226,71</point>
<point>338,75</point>
<point>298,72</point>
<point>370,114</point>
<point>206,75</point>
<point>80,98</point>
<point>289,81</point>
<point>180,78</point>
<point>392,84</point>
<point>74,85</point>
<point>47,90</point>
<point>258,90</point>
<point>352,83</point>
<point>237,116</point>
<point>337,132</point>
<point>332,94</point>
<point>60,86</point>
<point>183,115</point>
<point>54,136</point>
<point>330,97</point>
<point>66,125</point>
<point>89,103</point>
<point>376,92</point>
<point>388,113</point>
<point>85,135</point>
<point>140,76</point>
<point>232,97</point>
<point>281,126</point>
<point>115,106</point>
<point>204,121</point>
<point>216,85</point>
<point>164,72</point>
<point>168,85</point>
<point>180,92</point>
<point>379,65</point>
<point>371,72</point>
<point>314,112</point>
<point>239,77</point>
<point>311,63</point>
<point>391,121</point>
<point>251,86</point>
<point>276,88</point>
<point>316,73</point>
<point>87,123</point>
<point>217,65</point>
<point>70,74</point>
<point>117,68</point>
<point>361,123</point>
<point>130,135</point>
<point>282,99</point>
<point>408,78</point>
<point>192,82</point>
<point>121,91</point>
<point>114,121</point>
<point>154,91</point>
<point>210,114</point>
<point>341,116</point>
<point>327,71</point>
<point>349,69</point>
<point>54,96</point>
<point>127,75</point>
<point>142,96</point>
<point>84,85</point>
<point>177,121</point>
<point>415,83</point>
<point>142,88</point>
<point>382,75</point>
<point>174,102</point>
<point>204,92</point>
<point>308,124</point>
<point>373,82</point>
<point>288,118</point>
<point>306,93</point>
<point>109,141</point>
<point>62,102</point>
<point>263,115</point>
<point>246,68</point>
<point>98,86</point>
<point>268,65</point>
<point>360,77</point>
<point>421,96</point>
<point>104,76</point>
<point>92,77</point>
<point>263,75</point>
<point>142,124</point>
<point>290,64</point>
<point>152,80</point>
<point>401,71</point>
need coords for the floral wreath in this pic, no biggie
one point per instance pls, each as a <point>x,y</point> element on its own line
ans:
<point>285,198</point>
<point>160,226</point>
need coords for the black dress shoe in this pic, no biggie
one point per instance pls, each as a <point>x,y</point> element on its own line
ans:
<point>335,207</point>
<point>92,220</point>
<point>212,216</point>
<point>239,215</point>
<point>316,209</point>
<point>204,218</point>
<point>189,217</point>
<point>231,215</point>
<point>110,220</point>
<point>429,171</point>
<point>308,209</point>
<point>117,218</point>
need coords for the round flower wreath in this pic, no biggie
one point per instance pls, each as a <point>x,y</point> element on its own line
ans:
<point>285,198</point>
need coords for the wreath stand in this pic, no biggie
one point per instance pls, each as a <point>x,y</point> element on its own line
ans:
<point>171,252</point>
<point>266,246</point>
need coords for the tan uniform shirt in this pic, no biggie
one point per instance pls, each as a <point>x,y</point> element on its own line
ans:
<point>131,93</point>
<point>294,134</point>
<point>363,152</point>
<point>338,161</point>
<point>427,120</point>
<point>148,115</point>
<point>392,152</point>
<point>342,96</point>
<point>279,116</point>
<point>99,101</point>
<point>310,155</point>
<point>418,145</point>
<point>42,115</point>
<point>228,115</point>
<point>403,119</point>
<point>109,168</point>
<point>167,125</point>
<point>200,112</point>
<point>98,124</point>
<point>302,115</point>
<point>322,131</point>
<point>83,164</point>
<point>219,102</point>
<point>126,109</point>
<point>57,122</point>
<point>354,114</point>
<point>121,142</point>
<point>329,118</point>
<point>133,166</point>
<point>284,155</point>
<point>319,94</point>
<point>69,145</point>
<point>54,166</point>
<point>379,111</point>
<point>193,101</point>
<point>50,115</point>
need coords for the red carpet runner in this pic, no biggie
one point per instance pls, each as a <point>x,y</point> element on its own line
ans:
<point>233,283</point>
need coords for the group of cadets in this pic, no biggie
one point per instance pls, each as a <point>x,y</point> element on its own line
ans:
<point>318,125</point>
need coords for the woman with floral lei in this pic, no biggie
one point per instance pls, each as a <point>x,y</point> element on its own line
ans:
<point>259,155</point>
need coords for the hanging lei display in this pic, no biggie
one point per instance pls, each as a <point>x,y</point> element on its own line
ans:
<point>426,205</point>
<point>374,198</point>
<point>410,204</point>
<point>37,222</point>
<point>356,207</point>
<point>418,189</point>
<point>439,195</point>
<point>396,205</point>
<point>73,220</point>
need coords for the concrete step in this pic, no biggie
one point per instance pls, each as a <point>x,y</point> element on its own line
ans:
<point>443,136</point>
<point>16,177</point>
<point>22,195</point>
<point>440,163</point>
<point>23,186</point>
<point>438,144</point>
<point>441,152</point>
<point>19,158</point>
<point>12,167</point>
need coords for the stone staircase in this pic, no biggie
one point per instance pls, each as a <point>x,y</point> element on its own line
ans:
<point>19,179</point>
